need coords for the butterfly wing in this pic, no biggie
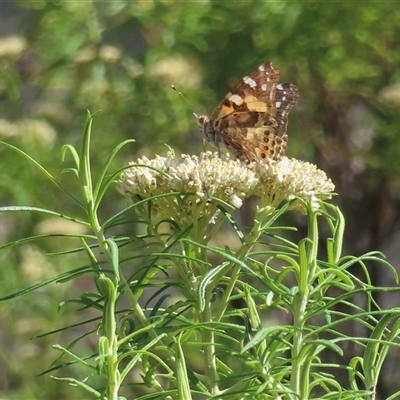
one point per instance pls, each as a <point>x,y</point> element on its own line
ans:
<point>252,119</point>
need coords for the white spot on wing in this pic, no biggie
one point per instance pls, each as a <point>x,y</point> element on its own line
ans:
<point>279,87</point>
<point>278,104</point>
<point>236,99</point>
<point>261,67</point>
<point>264,86</point>
<point>251,82</point>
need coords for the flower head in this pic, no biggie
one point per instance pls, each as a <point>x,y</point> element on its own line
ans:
<point>199,181</point>
<point>288,179</point>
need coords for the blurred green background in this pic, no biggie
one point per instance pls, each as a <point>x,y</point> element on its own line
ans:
<point>59,58</point>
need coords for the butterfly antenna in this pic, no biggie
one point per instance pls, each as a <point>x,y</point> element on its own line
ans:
<point>187,101</point>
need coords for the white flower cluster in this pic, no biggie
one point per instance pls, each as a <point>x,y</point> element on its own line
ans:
<point>210,176</point>
<point>288,179</point>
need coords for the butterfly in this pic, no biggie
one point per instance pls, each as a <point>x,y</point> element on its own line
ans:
<point>251,121</point>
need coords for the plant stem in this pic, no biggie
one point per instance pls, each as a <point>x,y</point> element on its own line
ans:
<point>300,304</point>
<point>209,348</point>
<point>308,249</point>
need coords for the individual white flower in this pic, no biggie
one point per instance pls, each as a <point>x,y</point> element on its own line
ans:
<point>391,95</point>
<point>7,129</point>
<point>178,70</point>
<point>12,46</point>
<point>40,131</point>
<point>110,54</point>
<point>55,225</point>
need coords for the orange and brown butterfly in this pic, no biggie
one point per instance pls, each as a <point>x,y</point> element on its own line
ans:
<point>251,121</point>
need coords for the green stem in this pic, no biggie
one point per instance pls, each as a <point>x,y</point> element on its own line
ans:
<point>209,348</point>
<point>241,254</point>
<point>299,307</point>
<point>113,374</point>
<point>108,343</point>
<point>308,249</point>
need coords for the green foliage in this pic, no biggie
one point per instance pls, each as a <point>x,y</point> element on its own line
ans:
<point>121,57</point>
<point>165,310</point>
